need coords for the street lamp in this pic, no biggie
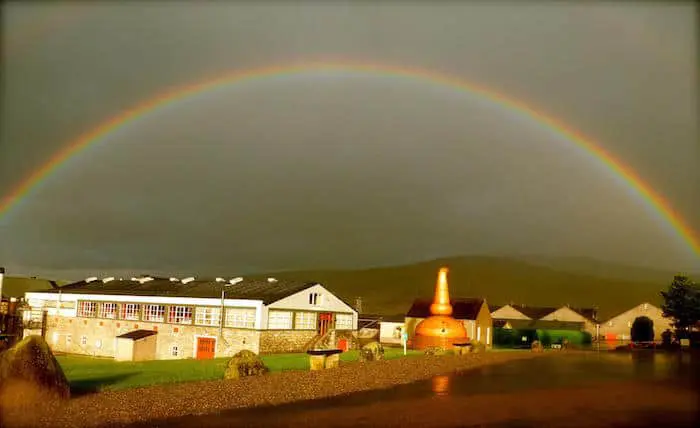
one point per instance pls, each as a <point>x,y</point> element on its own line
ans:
<point>232,282</point>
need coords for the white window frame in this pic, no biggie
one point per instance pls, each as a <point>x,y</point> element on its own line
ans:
<point>240,317</point>
<point>345,322</point>
<point>130,311</point>
<point>275,318</point>
<point>104,313</point>
<point>87,309</point>
<point>175,350</point>
<point>154,312</point>
<point>209,316</point>
<point>305,321</point>
<point>83,340</point>
<point>179,314</point>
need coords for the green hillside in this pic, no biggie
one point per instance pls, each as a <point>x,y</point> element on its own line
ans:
<point>390,290</point>
<point>14,286</point>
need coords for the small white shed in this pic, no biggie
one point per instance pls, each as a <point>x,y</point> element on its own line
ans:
<point>137,345</point>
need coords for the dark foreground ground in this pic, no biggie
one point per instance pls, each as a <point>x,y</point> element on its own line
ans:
<point>494,390</point>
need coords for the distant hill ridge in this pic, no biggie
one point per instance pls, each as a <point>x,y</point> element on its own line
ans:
<point>532,280</point>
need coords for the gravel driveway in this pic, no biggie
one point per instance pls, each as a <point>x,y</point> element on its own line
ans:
<point>195,398</point>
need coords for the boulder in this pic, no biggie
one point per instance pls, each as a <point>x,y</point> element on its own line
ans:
<point>477,346</point>
<point>245,363</point>
<point>536,346</point>
<point>373,351</point>
<point>29,372</point>
<point>434,350</point>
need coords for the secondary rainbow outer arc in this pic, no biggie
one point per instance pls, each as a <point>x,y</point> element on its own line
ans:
<point>176,94</point>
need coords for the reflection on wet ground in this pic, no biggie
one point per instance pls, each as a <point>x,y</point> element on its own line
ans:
<point>536,376</point>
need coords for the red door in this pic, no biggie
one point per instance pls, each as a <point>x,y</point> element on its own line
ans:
<point>206,347</point>
<point>324,322</point>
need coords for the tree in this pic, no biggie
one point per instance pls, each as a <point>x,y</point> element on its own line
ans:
<point>642,330</point>
<point>682,302</point>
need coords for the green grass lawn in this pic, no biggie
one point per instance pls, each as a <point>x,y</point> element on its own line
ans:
<point>88,374</point>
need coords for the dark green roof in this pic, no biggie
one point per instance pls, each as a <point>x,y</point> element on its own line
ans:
<point>248,289</point>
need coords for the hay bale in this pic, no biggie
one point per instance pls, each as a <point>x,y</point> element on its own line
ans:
<point>373,351</point>
<point>245,363</point>
<point>29,373</point>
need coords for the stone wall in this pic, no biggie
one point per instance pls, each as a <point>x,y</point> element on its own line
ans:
<point>64,334</point>
<point>277,341</point>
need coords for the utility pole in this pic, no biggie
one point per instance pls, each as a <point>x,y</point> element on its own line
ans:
<point>358,305</point>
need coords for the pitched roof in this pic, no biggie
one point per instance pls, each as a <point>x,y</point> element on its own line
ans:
<point>137,334</point>
<point>462,309</point>
<point>589,313</point>
<point>248,289</point>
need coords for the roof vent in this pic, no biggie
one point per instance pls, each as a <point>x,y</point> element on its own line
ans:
<point>146,279</point>
<point>271,279</point>
<point>106,280</point>
<point>220,280</point>
<point>235,280</point>
<point>173,279</point>
<point>92,278</point>
<point>133,278</point>
<point>186,280</point>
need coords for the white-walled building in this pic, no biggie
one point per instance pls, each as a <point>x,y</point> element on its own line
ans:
<point>191,318</point>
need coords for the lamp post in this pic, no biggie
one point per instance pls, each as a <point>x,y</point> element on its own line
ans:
<point>232,282</point>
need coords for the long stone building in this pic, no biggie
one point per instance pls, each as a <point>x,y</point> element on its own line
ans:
<point>189,318</point>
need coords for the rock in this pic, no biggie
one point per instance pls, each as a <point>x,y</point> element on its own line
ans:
<point>478,347</point>
<point>536,346</point>
<point>29,373</point>
<point>434,350</point>
<point>245,363</point>
<point>373,351</point>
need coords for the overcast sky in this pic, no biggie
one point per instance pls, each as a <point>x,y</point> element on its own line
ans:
<point>345,169</point>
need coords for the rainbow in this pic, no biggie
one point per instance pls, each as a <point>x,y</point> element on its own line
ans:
<point>176,94</point>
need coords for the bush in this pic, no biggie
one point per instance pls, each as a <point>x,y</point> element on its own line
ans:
<point>245,363</point>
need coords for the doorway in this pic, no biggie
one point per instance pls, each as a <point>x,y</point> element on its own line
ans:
<point>325,322</point>
<point>206,348</point>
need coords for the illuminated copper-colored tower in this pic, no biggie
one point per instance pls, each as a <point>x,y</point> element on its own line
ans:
<point>440,329</point>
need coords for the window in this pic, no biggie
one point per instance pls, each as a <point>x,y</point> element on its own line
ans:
<point>610,323</point>
<point>98,344</point>
<point>130,311</point>
<point>87,309</point>
<point>108,310</point>
<point>55,338</point>
<point>305,321</point>
<point>315,299</point>
<point>83,340</point>
<point>279,320</point>
<point>175,351</point>
<point>155,313</point>
<point>69,339</point>
<point>343,321</point>
<point>180,315</point>
<point>629,324</point>
<point>208,316</point>
<point>240,317</point>
<point>646,306</point>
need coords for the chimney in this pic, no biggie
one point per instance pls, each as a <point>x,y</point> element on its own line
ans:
<point>441,304</point>
<point>2,277</point>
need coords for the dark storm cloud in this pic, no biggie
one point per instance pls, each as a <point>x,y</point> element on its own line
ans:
<point>345,169</point>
